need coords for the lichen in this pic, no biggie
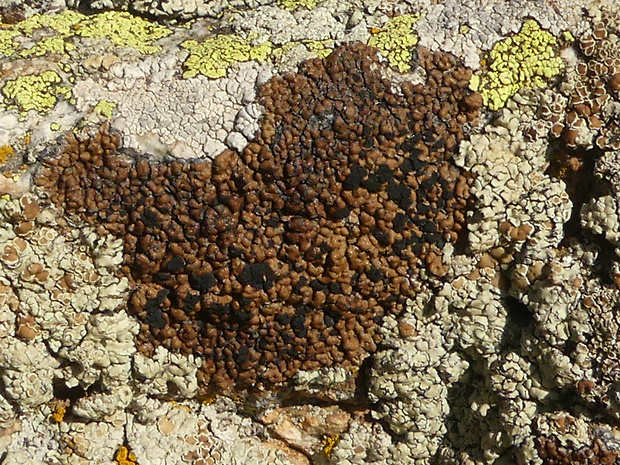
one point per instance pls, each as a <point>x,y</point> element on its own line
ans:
<point>38,92</point>
<point>59,414</point>
<point>329,443</point>
<point>6,151</point>
<point>54,32</point>
<point>7,44</point>
<point>213,56</point>
<point>124,456</point>
<point>321,48</point>
<point>358,224</point>
<point>64,23</point>
<point>396,41</point>
<point>105,108</point>
<point>294,4</point>
<point>123,30</point>
<point>527,59</point>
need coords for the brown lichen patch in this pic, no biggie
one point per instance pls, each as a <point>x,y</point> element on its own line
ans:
<point>600,452</point>
<point>288,255</point>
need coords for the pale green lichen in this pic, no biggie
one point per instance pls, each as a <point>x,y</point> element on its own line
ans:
<point>55,31</point>
<point>56,44</point>
<point>320,48</point>
<point>7,44</point>
<point>123,30</point>
<point>213,56</point>
<point>527,59</point>
<point>63,23</point>
<point>38,92</point>
<point>396,40</point>
<point>291,5</point>
<point>105,108</point>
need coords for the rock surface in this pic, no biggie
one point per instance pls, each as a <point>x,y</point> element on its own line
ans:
<point>309,232</point>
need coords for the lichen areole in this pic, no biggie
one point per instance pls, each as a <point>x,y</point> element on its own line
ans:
<point>286,256</point>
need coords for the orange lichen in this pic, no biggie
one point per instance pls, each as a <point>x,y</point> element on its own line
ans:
<point>124,456</point>
<point>329,443</point>
<point>6,151</point>
<point>59,414</point>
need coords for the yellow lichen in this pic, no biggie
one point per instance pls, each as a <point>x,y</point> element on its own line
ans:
<point>396,40</point>
<point>527,59</point>
<point>54,32</point>
<point>7,44</point>
<point>124,456</point>
<point>63,23</point>
<point>47,45</point>
<point>321,48</point>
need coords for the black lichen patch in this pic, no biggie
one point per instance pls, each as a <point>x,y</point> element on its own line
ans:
<point>288,255</point>
<point>257,275</point>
